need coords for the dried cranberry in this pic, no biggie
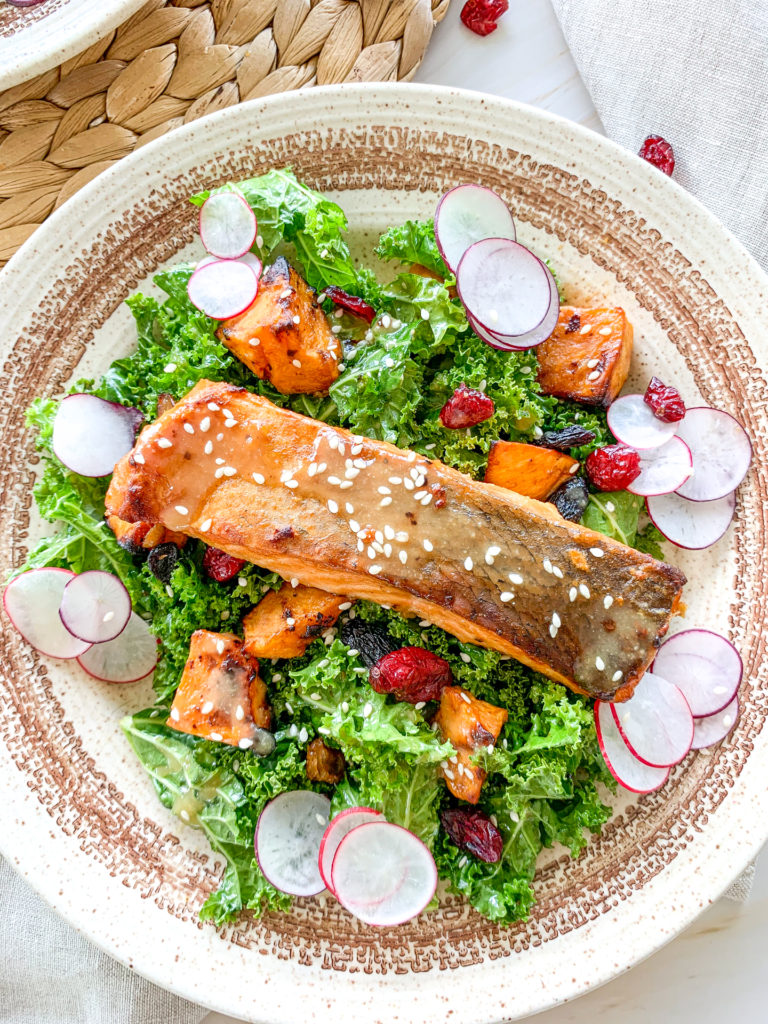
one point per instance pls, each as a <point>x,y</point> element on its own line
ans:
<point>411,674</point>
<point>474,832</point>
<point>665,401</point>
<point>465,408</point>
<point>569,437</point>
<point>573,324</point>
<point>162,560</point>
<point>613,468</point>
<point>369,639</point>
<point>481,15</point>
<point>657,151</point>
<point>220,566</point>
<point>351,303</point>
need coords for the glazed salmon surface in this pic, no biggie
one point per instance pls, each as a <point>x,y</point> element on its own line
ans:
<point>362,518</point>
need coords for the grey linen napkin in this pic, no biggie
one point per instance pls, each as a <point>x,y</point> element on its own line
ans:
<point>696,73</point>
<point>53,975</point>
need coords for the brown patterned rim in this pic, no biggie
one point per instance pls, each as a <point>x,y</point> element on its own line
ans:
<point>638,845</point>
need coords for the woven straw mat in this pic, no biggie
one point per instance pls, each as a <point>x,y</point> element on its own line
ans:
<point>174,62</point>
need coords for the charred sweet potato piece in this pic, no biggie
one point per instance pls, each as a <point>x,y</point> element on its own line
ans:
<point>469,724</point>
<point>587,356</point>
<point>324,763</point>
<point>284,336</point>
<point>286,621</point>
<point>527,469</point>
<point>135,536</point>
<point>221,695</point>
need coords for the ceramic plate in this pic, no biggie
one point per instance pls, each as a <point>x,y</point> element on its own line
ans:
<point>79,818</point>
<point>34,39</point>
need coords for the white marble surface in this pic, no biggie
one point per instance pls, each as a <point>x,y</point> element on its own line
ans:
<point>717,965</point>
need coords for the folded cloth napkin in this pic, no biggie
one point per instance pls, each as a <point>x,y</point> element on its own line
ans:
<point>697,74</point>
<point>52,974</point>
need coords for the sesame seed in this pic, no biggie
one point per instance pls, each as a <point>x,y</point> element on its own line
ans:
<point>572,594</point>
<point>367,709</point>
<point>428,545</point>
<point>403,556</point>
<point>547,565</point>
<point>408,484</point>
<point>465,696</point>
<point>425,314</point>
<point>597,552</point>
<point>175,714</point>
<point>290,620</point>
<point>605,331</point>
<point>354,526</point>
<point>426,499</point>
<point>139,458</point>
<point>344,706</point>
<point>491,553</point>
<point>333,507</point>
<point>230,423</point>
<point>110,615</point>
<point>296,363</point>
<point>333,442</point>
<point>303,735</point>
<point>351,472</point>
<point>208,447</point>
<point>214,407</point>
<point>607,601</point>
<point>220,462</point>
<point>592,363</point>
<point>419,495</point>
<point>516,578</point>
<point>468,564</point>
<point>599,663</point>
<point>239,713</point>
<point>557,571</point>
<point>420,704</point>
<point>259,241</point>
<point>258,477</point>
<point>617,676</point>
<point>242,581</point>
<point>610,506</point>
<point>584,590</point>
<point>220,646</point>
<point>182,510</point>
<point>448,774</point>
<point>322,467</point>
<point>395,479</point>
<point>205,527</point>
<point>586,329</point>
<point>385,502</point>
<point>506,595</point>
<point>254,342</point>
<point>574,468</point>
<point>553,631</point>
<point>401,536</point>
<point>321,297</point>
<point>205,424</point>
<point>343,607</point>
<point>360,463</point>
<point>245,743</point>
<point>292,483</point>
<point>466,659</point>
<point>386,321</point>
<point>276,677</point>
<point>384,490</point>
<point>163,442</point>
<point>360,545</point>
<point>556,620</point>
<point>338,312</point>
<point>184,814</point>
<point>334,480</point>
<point>349,508</point>
<point>389,533</point>
<point>294,581</point>
<point>374,570</point>
<point>312,469</point>
<point>169,590</point>
<point>356,449</point>
<point>593,375</point>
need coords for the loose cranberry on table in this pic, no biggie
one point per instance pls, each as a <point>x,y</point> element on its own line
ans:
<point>657,151</point>
<point>411,674</point>
<point>614,467</point>
<point>473,831</point>
<point>220,566</point>
<point>466,408</point>
<point>351,303</point>
<point>665,401</point>
<point>481,15</point>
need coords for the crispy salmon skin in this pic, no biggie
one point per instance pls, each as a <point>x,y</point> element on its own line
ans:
<point>362,518</point>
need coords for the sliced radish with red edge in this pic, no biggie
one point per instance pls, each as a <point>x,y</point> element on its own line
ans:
<point>129,657</point>
<point>91,435</point>
<point>227,225</point>
<point>704,665</point>
<point>621,762</point>
<point>663,469</point>
<point>95,606</point>
<point>223,289</point>
<point>504,287</point>
<point>383,874</point>
<point>340,826</point>
<point>32,602</point>
<point>721,453</point>
<point>467,214</point>
<point>632,422</point>
<point>710,730</point>
<point>520,342</point>
<point>287,841</point>
<point>691,524</point>
<point>656,722</point>
<point>249,259</point>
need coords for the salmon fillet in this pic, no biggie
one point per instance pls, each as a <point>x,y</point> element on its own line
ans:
<point>362,518</point>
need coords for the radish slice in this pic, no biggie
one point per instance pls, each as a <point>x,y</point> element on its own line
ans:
<point>621,762</point>
<point>467,214</point>
<point>223,289</point>
<point>504,287</point>
<point>704,665</point>
<point>339,827</point>
<point>691,524</point>
<point>91,435</point>
<point>383,874</point>
<point>520,342</point>
<point>95,606</point>
<point>710,730</point>
<point>287,841</point>
<point>656,722</point>
<point>129,657</point>
<point>632,422</point>
<point>227,225</point>
<point>32,601</point>
<point>664,469</point>
<point>249,259</point>
<point>721,452</point>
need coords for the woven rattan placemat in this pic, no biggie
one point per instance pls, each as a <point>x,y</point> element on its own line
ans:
<point>173,62</point>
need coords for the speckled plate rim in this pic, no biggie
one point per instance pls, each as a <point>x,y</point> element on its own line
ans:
<point>553,972</point>
<point>54,38</point>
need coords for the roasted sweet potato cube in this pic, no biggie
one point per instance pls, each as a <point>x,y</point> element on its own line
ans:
<point>466,721</point>
<point>284,336</point>
<point>137,536</point>
<point>286,621</point>
<point>464,779</point>
<point>324,763</point>
<point>221,695</point>
<point>587,356</point>
<point>527,469</point>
